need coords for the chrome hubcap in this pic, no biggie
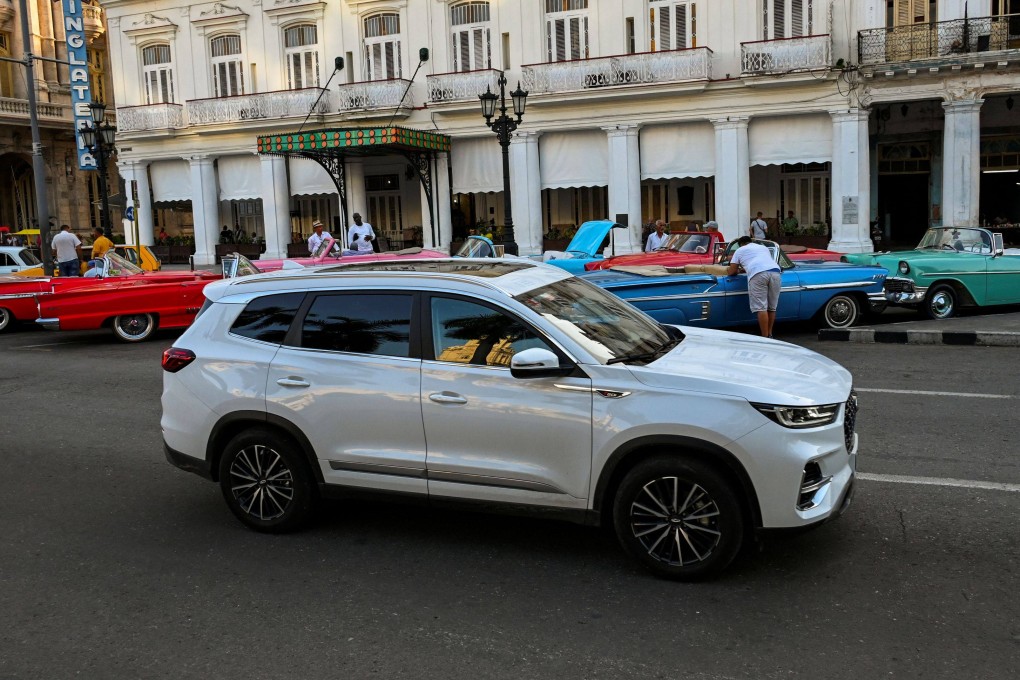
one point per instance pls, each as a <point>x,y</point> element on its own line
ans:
<point>134,325</point>
<point>942,304</point>
<point>840,313</point>
<point>261,483</point>
<point>676,521</point>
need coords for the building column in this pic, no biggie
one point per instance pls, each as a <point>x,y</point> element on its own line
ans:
<point>441,201</point>
<point>139,172</point>
<point>357,199</point>
<point>961,163</point>
<point>851,182</point>
<point>526,196</point>
<point>275,206</point>
<point>625,183</point>
<point>732,176</point>
<point>204,207</point>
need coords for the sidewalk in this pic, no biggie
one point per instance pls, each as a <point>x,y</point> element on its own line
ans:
<point>987,330</point>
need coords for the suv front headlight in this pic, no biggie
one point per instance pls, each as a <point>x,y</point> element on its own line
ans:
<point>798,417</point>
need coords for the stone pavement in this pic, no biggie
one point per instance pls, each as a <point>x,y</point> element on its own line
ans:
<point>996,329</point>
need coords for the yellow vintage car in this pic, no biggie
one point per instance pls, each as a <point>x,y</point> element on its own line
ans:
<point>149,262</point>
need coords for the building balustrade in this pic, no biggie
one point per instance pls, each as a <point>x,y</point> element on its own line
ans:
<point>672,66</point>
<point>785,55</point>
<point>939,39</point>
<point>150,117</point>
<point>19,107</point>
<point>259,106</point>
<point>464,86</point>
<point>374,94</point>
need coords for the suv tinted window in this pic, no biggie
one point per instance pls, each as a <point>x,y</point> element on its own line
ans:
<point>267,318</point>
<point>359,322</point>
<point>467,333</point>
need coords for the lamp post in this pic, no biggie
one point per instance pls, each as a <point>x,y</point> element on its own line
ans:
<point>98,137</point>
<point>504,126</point>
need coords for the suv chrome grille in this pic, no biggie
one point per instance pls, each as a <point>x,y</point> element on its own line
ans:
<point>850,421</point>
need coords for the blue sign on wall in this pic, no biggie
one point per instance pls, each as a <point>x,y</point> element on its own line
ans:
<point>81,96</point>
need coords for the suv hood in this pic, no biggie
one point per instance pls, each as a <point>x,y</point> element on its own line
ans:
<point>746,366</point>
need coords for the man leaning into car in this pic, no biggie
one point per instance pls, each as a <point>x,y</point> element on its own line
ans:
<point>764,280</point>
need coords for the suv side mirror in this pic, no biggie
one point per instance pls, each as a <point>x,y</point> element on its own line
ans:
<point>536,362</point>
<point>997,245</point>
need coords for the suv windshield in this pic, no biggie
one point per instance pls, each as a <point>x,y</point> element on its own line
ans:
<point>600,322</point>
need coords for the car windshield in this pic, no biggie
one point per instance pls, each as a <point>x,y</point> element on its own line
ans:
<point>29,258</point>
<point>599,321</point>
<point>956,238</point>
<point>118,266</point>
<point>777,253</point>
<point>475,247</point>
<point>324,247</point>
<point>688,243</point>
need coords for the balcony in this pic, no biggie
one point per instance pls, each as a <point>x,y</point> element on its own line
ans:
<point>675,66</point>
<point>785,55</point>
<point>461,87</point>
<point>372,95</point>
<point>957,40</point>
<point>7,12</point>
<point>151,117</point>
<point>258,107</point>
<point>18,108</point>
<point>92,17</point>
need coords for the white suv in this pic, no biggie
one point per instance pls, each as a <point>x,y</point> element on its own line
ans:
<point>510,385</point>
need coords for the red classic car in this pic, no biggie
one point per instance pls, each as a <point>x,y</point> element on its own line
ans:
<point>697,247</point>
<point>130,301</point>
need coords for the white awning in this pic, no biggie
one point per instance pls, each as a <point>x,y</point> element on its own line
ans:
<point>790,139</point>
<point>171,181</point>
<point>308,178</point>
<point>477,165</point>
<point>677,151</point>
<point>240,178</point>
<point>574,159</point>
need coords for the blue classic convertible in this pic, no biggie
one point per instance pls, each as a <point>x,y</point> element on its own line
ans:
<point>704,295</point>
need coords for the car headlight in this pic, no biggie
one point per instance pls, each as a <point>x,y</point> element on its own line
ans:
<point>844,258</point>
<point>904,268</point>
<point>799,416</point>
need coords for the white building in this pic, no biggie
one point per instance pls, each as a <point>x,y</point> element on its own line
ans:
<point>684,110</point>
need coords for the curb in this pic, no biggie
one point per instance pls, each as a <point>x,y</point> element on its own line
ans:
<point>871,335</point>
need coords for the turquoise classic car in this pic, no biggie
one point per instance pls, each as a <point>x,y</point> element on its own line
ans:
<point>952,267</point>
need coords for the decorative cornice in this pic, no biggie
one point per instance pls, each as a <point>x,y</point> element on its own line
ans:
<point>288,8</point>
<point>152,21</point>
<point>219,9</point>
<point>151,25</point>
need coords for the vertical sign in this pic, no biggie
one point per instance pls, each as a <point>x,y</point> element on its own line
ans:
<point>81,96</point>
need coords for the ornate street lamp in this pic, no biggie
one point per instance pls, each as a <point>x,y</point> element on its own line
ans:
<point>504,126</point>
<point>98,138</point>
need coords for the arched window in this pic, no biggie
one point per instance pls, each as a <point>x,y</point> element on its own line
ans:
<point>158,73</point>
<point>382,47</point>
<point>301,50</point>
<point>227,67</point>
<point>472,48</point>
<point>566,29</point>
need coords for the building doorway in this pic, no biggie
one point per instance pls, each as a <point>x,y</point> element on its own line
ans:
<point>904,191</point>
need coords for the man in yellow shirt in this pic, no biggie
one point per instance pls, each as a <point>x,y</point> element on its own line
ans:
<point>100,245</point>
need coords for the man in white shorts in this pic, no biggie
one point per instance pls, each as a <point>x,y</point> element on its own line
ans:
<point>764,280</point>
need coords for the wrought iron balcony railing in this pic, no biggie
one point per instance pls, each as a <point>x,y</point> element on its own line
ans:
<point>939,39</point>
<point>784,55</point>
<point>672,66</point>
<point>464,86</point>
<point>260,106</point>
<point>374,94</point>
<point>150,117</point>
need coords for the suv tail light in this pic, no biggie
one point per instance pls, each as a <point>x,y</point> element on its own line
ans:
<point>175,358</point>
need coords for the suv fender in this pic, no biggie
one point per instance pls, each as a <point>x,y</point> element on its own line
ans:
<point>227,427</point>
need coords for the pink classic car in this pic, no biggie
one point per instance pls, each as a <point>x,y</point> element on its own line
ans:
<point>329,252</point>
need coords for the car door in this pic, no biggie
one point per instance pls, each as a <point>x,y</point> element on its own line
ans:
<point>491,436</point>
<point>349,377</point>
<point>7,264</point>
<point>1003,279</point>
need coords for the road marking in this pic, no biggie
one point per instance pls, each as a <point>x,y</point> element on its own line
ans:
<point>46,344</point>
<point>939,481</point>
<point>975,395</point>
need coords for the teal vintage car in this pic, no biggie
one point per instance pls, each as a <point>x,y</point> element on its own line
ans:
<point>952,267</point>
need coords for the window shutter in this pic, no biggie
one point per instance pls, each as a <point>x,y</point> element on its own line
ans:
<point>680,39</point>
<point>903,13</point>
<point>779,19</point>
<point>664,23</point>
<point>478,36</point>
<point>796,18</point>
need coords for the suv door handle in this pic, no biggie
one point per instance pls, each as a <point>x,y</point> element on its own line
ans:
<point>293,382</point>
<point>447,398</point>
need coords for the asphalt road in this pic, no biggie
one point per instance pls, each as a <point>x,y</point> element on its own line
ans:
<point>113,564</point>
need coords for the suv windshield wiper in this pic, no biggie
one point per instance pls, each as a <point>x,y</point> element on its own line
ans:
<point>649,356</point>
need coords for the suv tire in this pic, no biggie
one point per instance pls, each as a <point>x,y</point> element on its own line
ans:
<point>678,517</point>
<point>265,481</point>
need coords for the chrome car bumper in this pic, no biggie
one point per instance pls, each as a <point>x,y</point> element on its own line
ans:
<point>877,302</point>
<point>902,291</point>
<point>49,324</point>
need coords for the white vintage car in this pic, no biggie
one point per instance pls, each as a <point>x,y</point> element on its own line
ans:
<point>15,258</point>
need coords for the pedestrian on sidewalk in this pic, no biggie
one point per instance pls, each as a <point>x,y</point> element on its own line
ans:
<point>360,236</point>
<point>657,239</point>
<point>759,228</point>
<point>68,250</point>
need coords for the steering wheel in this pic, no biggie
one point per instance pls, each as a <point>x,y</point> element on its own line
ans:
<point>701,250</point>
<point>948,246</point>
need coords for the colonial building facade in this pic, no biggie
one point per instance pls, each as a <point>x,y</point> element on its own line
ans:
<point>850,113</point>
<point>72,195</point>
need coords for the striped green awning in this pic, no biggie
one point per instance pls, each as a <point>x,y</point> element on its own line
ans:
<point>355,141</point>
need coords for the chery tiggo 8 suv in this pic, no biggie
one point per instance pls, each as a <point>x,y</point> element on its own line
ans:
<point>511,385</point>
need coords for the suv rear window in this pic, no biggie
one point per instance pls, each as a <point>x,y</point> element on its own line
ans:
<point>268,318</point>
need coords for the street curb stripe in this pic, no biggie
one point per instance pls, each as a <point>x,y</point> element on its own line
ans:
<point>938,481</point>
<point>915,337</point>
<point>929,393</point>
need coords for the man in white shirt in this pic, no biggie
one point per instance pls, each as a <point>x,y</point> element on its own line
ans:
<point>317,237</point>
<point>657,239</point>
<point>68,252</point>
<point>759,228</point>
<point>360,236</point>
<point>764,281</point>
